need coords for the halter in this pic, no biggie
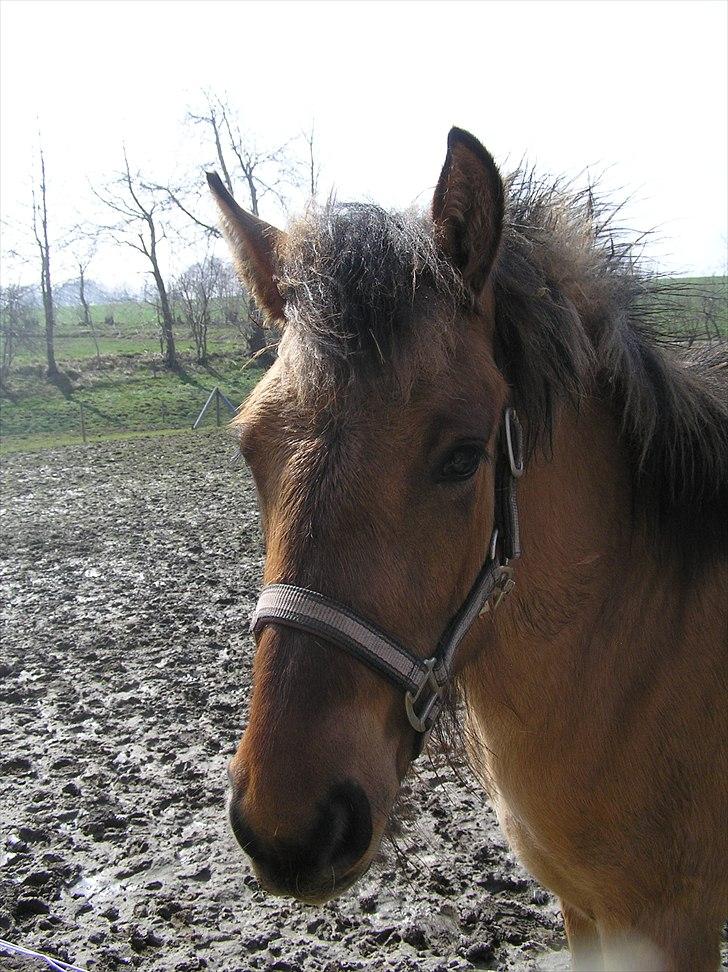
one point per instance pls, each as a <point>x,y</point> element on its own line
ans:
<point>423,680</point>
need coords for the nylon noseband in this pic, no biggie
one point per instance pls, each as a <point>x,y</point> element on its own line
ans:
<point>423,680</point>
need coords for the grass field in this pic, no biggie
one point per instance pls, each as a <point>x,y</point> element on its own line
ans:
<point>698,304</point>
<point>117,402</point>
<point>134,332</point>
<point>130,394</point>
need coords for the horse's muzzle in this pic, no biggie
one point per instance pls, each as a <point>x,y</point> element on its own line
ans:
<point>322,864</point>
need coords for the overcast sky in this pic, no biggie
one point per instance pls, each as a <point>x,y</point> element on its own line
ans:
<point>637,90</point>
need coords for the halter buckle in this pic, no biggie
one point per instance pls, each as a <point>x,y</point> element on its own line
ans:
<point>424,720</point>
<point>504,584</point>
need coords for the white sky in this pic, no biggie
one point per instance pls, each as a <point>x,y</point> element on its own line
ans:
<point>638,89</point>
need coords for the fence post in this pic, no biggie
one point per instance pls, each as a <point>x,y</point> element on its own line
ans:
<point>219,397</point>
<point>83,425</point>
<point>204,408</point>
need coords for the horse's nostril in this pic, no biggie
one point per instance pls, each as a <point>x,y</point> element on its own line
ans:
<point>243,833</point>
<point>351,825</point>
<point>340,836</point>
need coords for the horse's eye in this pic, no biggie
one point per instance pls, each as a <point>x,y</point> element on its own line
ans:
<point>461,463</point>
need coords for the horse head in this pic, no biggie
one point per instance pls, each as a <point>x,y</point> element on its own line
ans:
<point>371,441</point>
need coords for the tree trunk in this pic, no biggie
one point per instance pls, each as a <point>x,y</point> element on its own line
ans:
<point>170,351</point>
<point>49,318</point>
<point>87,310</point>
<point>253,192</point>
<point>46,288</point>
<point>8,352</point>
<point>167,322</point>
<point>220,156</point>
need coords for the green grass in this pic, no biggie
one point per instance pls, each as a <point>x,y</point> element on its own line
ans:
<point>698,305</point>
<point>130,394</point>
<point>134,332</point>
<point>76,348</point>
<point>116,403</point>
<point>133,395</point>
<point>128,316</point>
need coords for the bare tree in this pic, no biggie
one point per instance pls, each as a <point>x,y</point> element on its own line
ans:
<point>263,172</point>
<point>196,290</point>
<point>19,325</point>
<point>139,207</point>
<point>40,232</point>
<point>213,117</point>
<point>313,169</point>
<point>269,172</point>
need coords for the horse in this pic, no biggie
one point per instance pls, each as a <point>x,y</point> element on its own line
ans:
<point>428,365</point>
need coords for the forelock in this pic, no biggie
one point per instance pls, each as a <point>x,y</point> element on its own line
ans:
<point>367,294</point>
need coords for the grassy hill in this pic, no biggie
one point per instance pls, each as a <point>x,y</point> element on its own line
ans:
<point>130,328</point>
<point>128,393</point>
<point>124,390</point>
<point>118,401</point>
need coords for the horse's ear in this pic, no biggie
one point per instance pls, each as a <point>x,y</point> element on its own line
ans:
<point>255,246</point>
<point>468,208</point>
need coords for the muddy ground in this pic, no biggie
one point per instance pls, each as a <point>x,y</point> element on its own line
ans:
<point>128,572</point>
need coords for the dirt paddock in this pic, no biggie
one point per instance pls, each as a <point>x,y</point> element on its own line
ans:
<point>128,572</point>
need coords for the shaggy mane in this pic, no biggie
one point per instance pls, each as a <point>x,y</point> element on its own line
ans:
<point>369,294</point>
<point>575,308</point>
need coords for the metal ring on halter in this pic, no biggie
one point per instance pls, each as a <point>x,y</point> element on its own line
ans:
<point>503,574</point>
<point>493,549</point>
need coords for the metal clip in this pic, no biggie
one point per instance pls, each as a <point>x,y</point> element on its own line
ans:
<point>423,722</point>
<point>504,584</point>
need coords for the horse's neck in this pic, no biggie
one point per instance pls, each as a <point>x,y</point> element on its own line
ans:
<point>565,638</point>
<point>596,657</point>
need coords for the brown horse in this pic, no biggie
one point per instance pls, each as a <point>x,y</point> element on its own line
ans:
<point>596,693</point>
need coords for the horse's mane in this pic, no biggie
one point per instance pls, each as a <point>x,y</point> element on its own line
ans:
<point>366,291</point>
<point>575,305</point>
